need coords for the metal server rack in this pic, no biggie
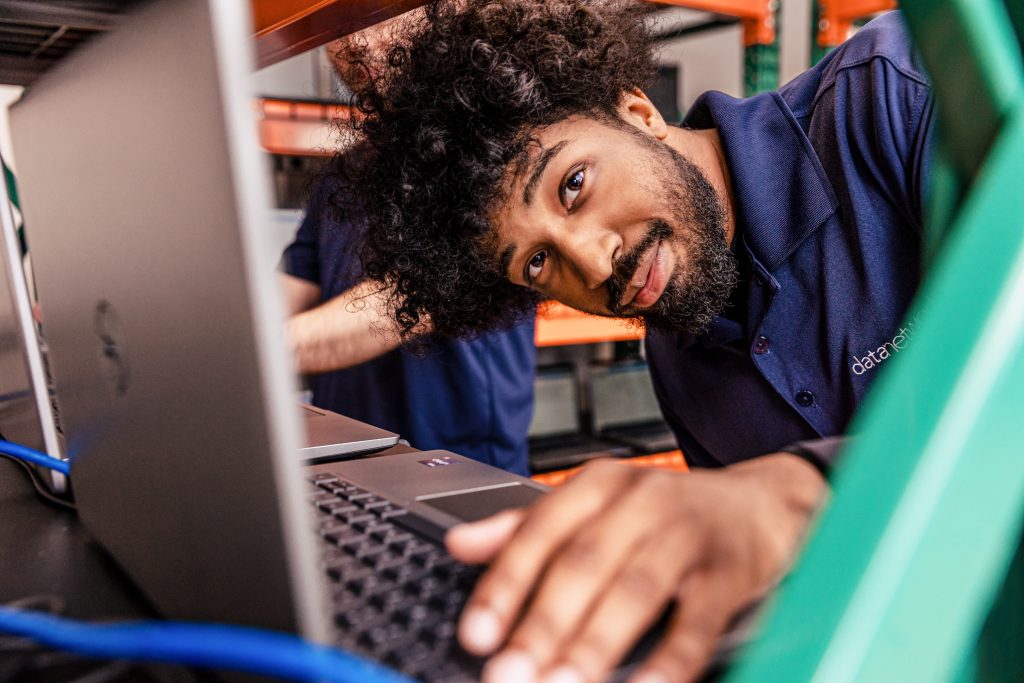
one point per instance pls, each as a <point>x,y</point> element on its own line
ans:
<point>915,572</point>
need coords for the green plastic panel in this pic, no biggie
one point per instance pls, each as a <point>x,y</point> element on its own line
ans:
<point>974,57</point>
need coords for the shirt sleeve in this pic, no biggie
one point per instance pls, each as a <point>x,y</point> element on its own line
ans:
<point>822,453</point>
<point>301,257</point>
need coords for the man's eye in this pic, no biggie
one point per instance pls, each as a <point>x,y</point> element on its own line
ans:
<point>535,265</point>
<point>571,188</point>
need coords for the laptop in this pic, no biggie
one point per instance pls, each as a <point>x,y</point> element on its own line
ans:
<point>556,433</point>
<point>625,408</point>
<point>28,409</point>
<point>147,197</point>
<point>330,436</point>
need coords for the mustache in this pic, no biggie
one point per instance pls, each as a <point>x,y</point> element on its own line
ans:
<point>626,266</point>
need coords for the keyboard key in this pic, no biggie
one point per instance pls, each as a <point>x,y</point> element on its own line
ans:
<point>362,583</point>
<point>370,502</point>
<point>343,509</point>
<point>381,531</point>
<point>342,534</point>
<point>391,511</point>
<point>363,522</point>
<point>399,541</point>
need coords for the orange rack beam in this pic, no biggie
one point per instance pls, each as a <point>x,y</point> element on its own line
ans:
<point>299,128</point>
<point>758,16</point>
<point>836,17</point>
<point>285,28</point>
<point>558,325</point>
<point>671,460</point>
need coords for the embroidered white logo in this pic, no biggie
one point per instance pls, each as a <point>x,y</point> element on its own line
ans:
<point>889,348</point>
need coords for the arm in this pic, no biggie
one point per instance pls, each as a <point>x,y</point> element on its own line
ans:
<point>299,294</point>
<point>349,329</point>
<point>578,578</point>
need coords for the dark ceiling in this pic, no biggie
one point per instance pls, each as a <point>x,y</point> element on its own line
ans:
<point>34,34</point>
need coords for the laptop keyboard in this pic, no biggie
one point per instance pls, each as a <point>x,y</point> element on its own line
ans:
<point>396,595</point>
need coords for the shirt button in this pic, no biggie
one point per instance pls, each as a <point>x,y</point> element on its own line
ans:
<point>805,399</point>
<point>761,346</point>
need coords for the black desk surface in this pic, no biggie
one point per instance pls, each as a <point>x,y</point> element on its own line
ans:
<point>46,551</point>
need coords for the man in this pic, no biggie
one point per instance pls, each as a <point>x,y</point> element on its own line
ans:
<point>472,397</point>
<point>767,245</point>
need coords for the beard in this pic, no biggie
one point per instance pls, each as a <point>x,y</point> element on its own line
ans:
<point>698,291</point>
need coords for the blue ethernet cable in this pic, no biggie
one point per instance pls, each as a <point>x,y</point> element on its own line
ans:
<point>35,457</point>
<point>216,646</point>
<point>237,648</point>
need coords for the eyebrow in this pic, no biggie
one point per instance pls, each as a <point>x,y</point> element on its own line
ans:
<point>538,170</point>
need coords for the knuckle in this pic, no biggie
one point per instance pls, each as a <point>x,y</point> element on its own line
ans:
<point>580,554</point>
<point>604,469</point>
<point>659,484</point>
<point>640,583</point>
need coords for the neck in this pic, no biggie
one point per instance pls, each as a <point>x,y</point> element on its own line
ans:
<point>704,148</point>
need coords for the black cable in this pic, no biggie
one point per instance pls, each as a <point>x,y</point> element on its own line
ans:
<point>39,484</point>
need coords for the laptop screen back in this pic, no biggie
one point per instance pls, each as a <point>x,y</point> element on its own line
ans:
<point>146,196</point>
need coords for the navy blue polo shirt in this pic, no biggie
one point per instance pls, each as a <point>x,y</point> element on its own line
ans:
<point>471,397</point>
<point>828,176</point>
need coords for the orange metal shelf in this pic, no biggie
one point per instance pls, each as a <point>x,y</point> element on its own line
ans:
<point>285,28</point>
<point>671,460</point>
<point>758,15</point>
<point>299,128</point>
<point>836,17</point>
<point>558,325</point>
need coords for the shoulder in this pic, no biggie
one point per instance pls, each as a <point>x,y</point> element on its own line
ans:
<point>880,55</point>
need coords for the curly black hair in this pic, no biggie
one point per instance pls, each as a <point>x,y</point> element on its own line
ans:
<point>454,108</point>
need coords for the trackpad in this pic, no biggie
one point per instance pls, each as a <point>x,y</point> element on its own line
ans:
<point>474,505</point>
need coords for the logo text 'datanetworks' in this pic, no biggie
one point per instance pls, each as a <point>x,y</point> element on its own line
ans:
<point>890,348</point>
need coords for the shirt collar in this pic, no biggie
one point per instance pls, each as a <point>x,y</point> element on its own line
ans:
<point>781,192</point>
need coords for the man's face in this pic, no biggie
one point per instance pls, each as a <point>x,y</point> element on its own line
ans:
<point>611,220</point>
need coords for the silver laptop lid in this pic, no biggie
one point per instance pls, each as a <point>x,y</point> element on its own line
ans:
<point>27,412</point>
<point>332,436</point>
<point>147,194</point>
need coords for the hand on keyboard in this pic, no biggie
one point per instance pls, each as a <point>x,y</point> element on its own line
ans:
<point>577,579</point>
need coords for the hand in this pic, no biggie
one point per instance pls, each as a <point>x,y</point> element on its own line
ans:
<point>578,578</point>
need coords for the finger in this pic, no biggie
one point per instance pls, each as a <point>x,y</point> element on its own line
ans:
<point>590,564</point>
<point>479,542</point>
<point>503,589</point>
<point>701,619</point>
<point>641,590</point>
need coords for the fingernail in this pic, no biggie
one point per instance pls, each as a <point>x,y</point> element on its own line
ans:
<point>480,631</point>
<point>510,667</point>
<point>564,674</point>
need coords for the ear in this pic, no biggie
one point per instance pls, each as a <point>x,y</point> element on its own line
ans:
<point>636,109</point>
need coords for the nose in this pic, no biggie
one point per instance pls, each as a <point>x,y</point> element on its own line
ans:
<point>591,250</point>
